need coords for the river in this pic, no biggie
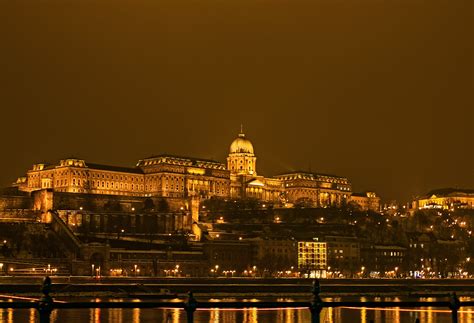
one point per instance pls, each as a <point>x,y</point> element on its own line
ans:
<point>292,315</point>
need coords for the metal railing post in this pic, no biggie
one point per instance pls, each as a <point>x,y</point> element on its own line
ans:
<point>454,305</point>
<point>45,303</point>
<point>316,303</point>
<point>190,307</point>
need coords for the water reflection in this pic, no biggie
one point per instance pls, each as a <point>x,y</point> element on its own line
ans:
<point>290,315</point>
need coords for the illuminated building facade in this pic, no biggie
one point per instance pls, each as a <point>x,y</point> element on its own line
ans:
<point>312,257</point>
<point>319,190</point>
<point>446,198</point>
<point>166,176</point>
<point>366,201</point>
<point>242,164</point>
<point>183,177</point>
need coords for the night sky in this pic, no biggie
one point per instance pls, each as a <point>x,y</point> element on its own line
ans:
<point>380,91</point>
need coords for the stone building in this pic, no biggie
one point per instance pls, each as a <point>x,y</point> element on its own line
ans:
<point>343,254</point>
<point>164,175</point>
<point>242,164</point>
<point>446,198</point>
<point>184,177</point>
<point>366,201</point>
<point>319,190</point>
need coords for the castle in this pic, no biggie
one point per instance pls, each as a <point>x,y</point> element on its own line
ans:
<point>178,177</point>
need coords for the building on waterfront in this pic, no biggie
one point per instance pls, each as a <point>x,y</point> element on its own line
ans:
<point>383,260</point>
<point>276,252</point>
<point>367,201</point>
<point>343,255</point>
<point>312,258</point>
<point>185,177</point>
<point>446,198</point>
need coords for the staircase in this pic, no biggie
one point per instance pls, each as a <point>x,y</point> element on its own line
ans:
<point>70,240</point>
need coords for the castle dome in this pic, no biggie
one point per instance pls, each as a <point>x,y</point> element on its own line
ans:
<point>241,145</point>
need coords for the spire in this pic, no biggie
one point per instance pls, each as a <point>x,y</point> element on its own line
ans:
<point>241,134</point>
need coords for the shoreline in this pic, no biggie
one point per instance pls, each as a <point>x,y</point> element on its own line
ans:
<point>183,297</point>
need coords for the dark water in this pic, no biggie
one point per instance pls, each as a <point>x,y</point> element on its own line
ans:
<point>426,315</point>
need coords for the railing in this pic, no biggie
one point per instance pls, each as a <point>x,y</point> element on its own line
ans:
<point>61,228</point>
<point>45,305</point>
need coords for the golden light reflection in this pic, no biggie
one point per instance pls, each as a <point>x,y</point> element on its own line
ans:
<point>136,315</point>
<point>32,315</point>
<point>176,315</point>
<point>289,315</point>
<point>10,315</point>
<point>363,312</point>
<point>250,315</point>
<point>215,315</point>
<point>363,315</point>
<point>430,311</point>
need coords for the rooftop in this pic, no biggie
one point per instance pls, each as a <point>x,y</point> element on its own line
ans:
<point>310,174</point>
<point>450,191</point>
<point>135,170</point>
<point>193,159</point>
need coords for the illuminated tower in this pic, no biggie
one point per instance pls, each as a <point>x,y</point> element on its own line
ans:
<point>242,160</point>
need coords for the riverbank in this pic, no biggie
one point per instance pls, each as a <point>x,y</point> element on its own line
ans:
<point>223,287</point>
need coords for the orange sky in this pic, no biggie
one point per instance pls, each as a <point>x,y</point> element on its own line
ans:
<point>380,91</point>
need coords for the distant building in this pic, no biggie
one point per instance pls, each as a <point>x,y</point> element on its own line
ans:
<point>171,176</point>
<point>343,255</point>
<point>228,255</point>
<point>320,190</point>
<point>312,258</point>
<point>279,253</point>
<point>384,260</point>
<point>446,198</point>
<point>244,181</point>
<point>366,201</point>
<point>164,175</point>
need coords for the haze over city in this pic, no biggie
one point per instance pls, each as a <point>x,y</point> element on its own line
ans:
<point>237,161</point>
<point>315,84</point>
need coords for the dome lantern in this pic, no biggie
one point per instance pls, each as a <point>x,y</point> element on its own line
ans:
<point>241,145</point>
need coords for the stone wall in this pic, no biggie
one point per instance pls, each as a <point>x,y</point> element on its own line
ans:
<point>117,203</point>
<point>15,202</point>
